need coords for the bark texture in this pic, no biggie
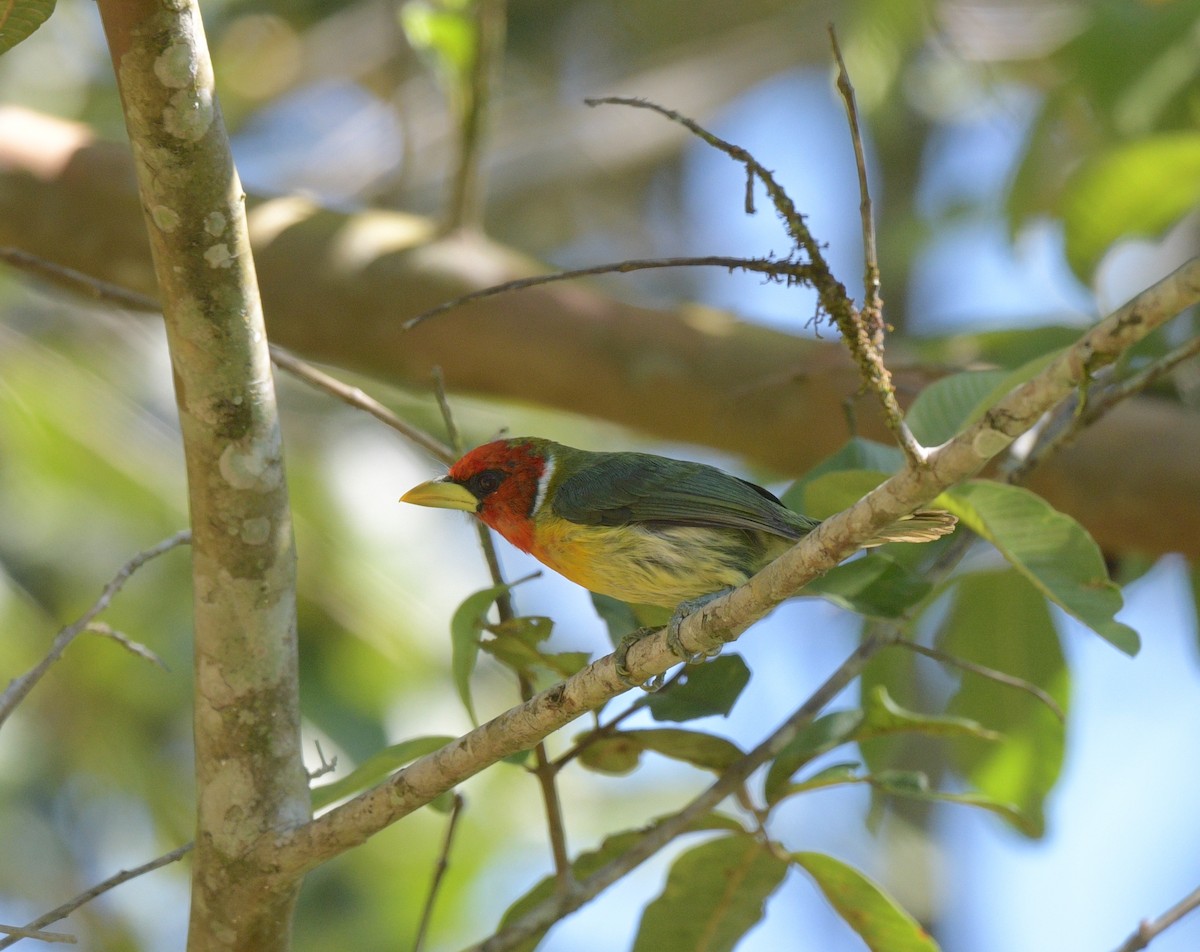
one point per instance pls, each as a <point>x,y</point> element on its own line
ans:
<point>249,775</point>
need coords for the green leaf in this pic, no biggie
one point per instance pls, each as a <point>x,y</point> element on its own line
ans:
<point>1133,189</point>
<point>617,755</point>
<point>824,495</point>
<point>881,716</point>
<point>857,454</point>
<point>881,923</point>
<point>19,18</point>
<point>914,785</point>
<point>707,689</point>
<point>942,408</point>
<point>617,616</point>
<point>885,716</point>
<point>622,618</point>
<point>619,752</point>
<point>824,734</point>
<point>375,768</point>
<point>714,894</point>
<point>706,751</point>
<point>876,585</point>
<point>1049,548</point>
<point>613,848</point>
<point>999,620</point>
<point>832,776</point>
<point>445,33</point>
<point>465,628</point>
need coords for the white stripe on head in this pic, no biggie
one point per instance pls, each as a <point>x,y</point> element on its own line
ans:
<point>543,483</point>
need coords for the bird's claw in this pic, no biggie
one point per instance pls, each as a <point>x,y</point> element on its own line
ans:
<point>683,611</point>
<point>621,666</point>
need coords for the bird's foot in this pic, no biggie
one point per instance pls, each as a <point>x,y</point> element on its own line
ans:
<point>682,611</point>
<point>621,655</point>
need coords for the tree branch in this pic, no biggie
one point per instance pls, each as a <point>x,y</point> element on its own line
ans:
<point>1151,929</point>
<point>724,619</point>
<point>18,688</point>
<point>683,374</point>
<point>249,770</point>
<point>68,907</point>
<point>544,915</point>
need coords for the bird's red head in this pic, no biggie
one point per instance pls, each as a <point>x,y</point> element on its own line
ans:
<point>505,476</point>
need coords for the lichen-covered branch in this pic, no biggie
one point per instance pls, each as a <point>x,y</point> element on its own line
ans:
<point>249,774</point>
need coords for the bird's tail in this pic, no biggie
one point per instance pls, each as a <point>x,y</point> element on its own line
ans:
<point>924,525</point>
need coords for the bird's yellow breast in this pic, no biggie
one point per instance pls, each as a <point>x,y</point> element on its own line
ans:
<point>659,565</point>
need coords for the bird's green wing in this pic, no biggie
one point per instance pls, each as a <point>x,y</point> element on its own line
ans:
<point>616,489</point>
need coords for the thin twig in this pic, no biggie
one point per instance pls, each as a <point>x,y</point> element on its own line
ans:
<point>991,674</point>
<point>544,769</point>
<point>465,207</point>
<point>324,766</point>
<point>1098,405</point>
<point>600,731</point>
<point>78,282</point>
<point>872,308</point>
<point>68,907</point>
<point>1150,929</point>
<point>782,269</point>
<point>871,313</point>
<point>20,932</point>
<point>306,372</point>
<point>831,293</point>
<point>439,872</point>
<point>546,913</point>
<point>133,647</point>
<point>98,290</point>
<point>18,688</point>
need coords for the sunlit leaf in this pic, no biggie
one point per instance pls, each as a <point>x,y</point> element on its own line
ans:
<point>943,407</point>
<point>877,918</point>
<point>832,492</point>
<point>707,689</point>
<point>375,768</point>
<point>1002,622</point>
<point>1049,548</point>
<point>856,454</point>
<point>714,894</point>
<point>19,18</point>
<point>1134,189</point>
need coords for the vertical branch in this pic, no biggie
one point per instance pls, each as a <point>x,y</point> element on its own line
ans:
<point>872,309</point>
<point>870,324</point>
<point>466,196</point>
<point>250,780</point>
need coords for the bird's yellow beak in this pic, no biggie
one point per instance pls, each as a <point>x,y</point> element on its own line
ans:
<point>442,494</point>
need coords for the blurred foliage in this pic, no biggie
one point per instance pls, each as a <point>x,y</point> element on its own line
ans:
<point>338,98</point>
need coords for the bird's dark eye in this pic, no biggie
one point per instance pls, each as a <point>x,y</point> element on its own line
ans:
<point>485,483</point>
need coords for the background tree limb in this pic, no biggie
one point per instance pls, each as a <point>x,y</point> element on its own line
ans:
<point>689,374</point>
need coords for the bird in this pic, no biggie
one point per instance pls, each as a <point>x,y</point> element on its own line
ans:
<point>642,528</point>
